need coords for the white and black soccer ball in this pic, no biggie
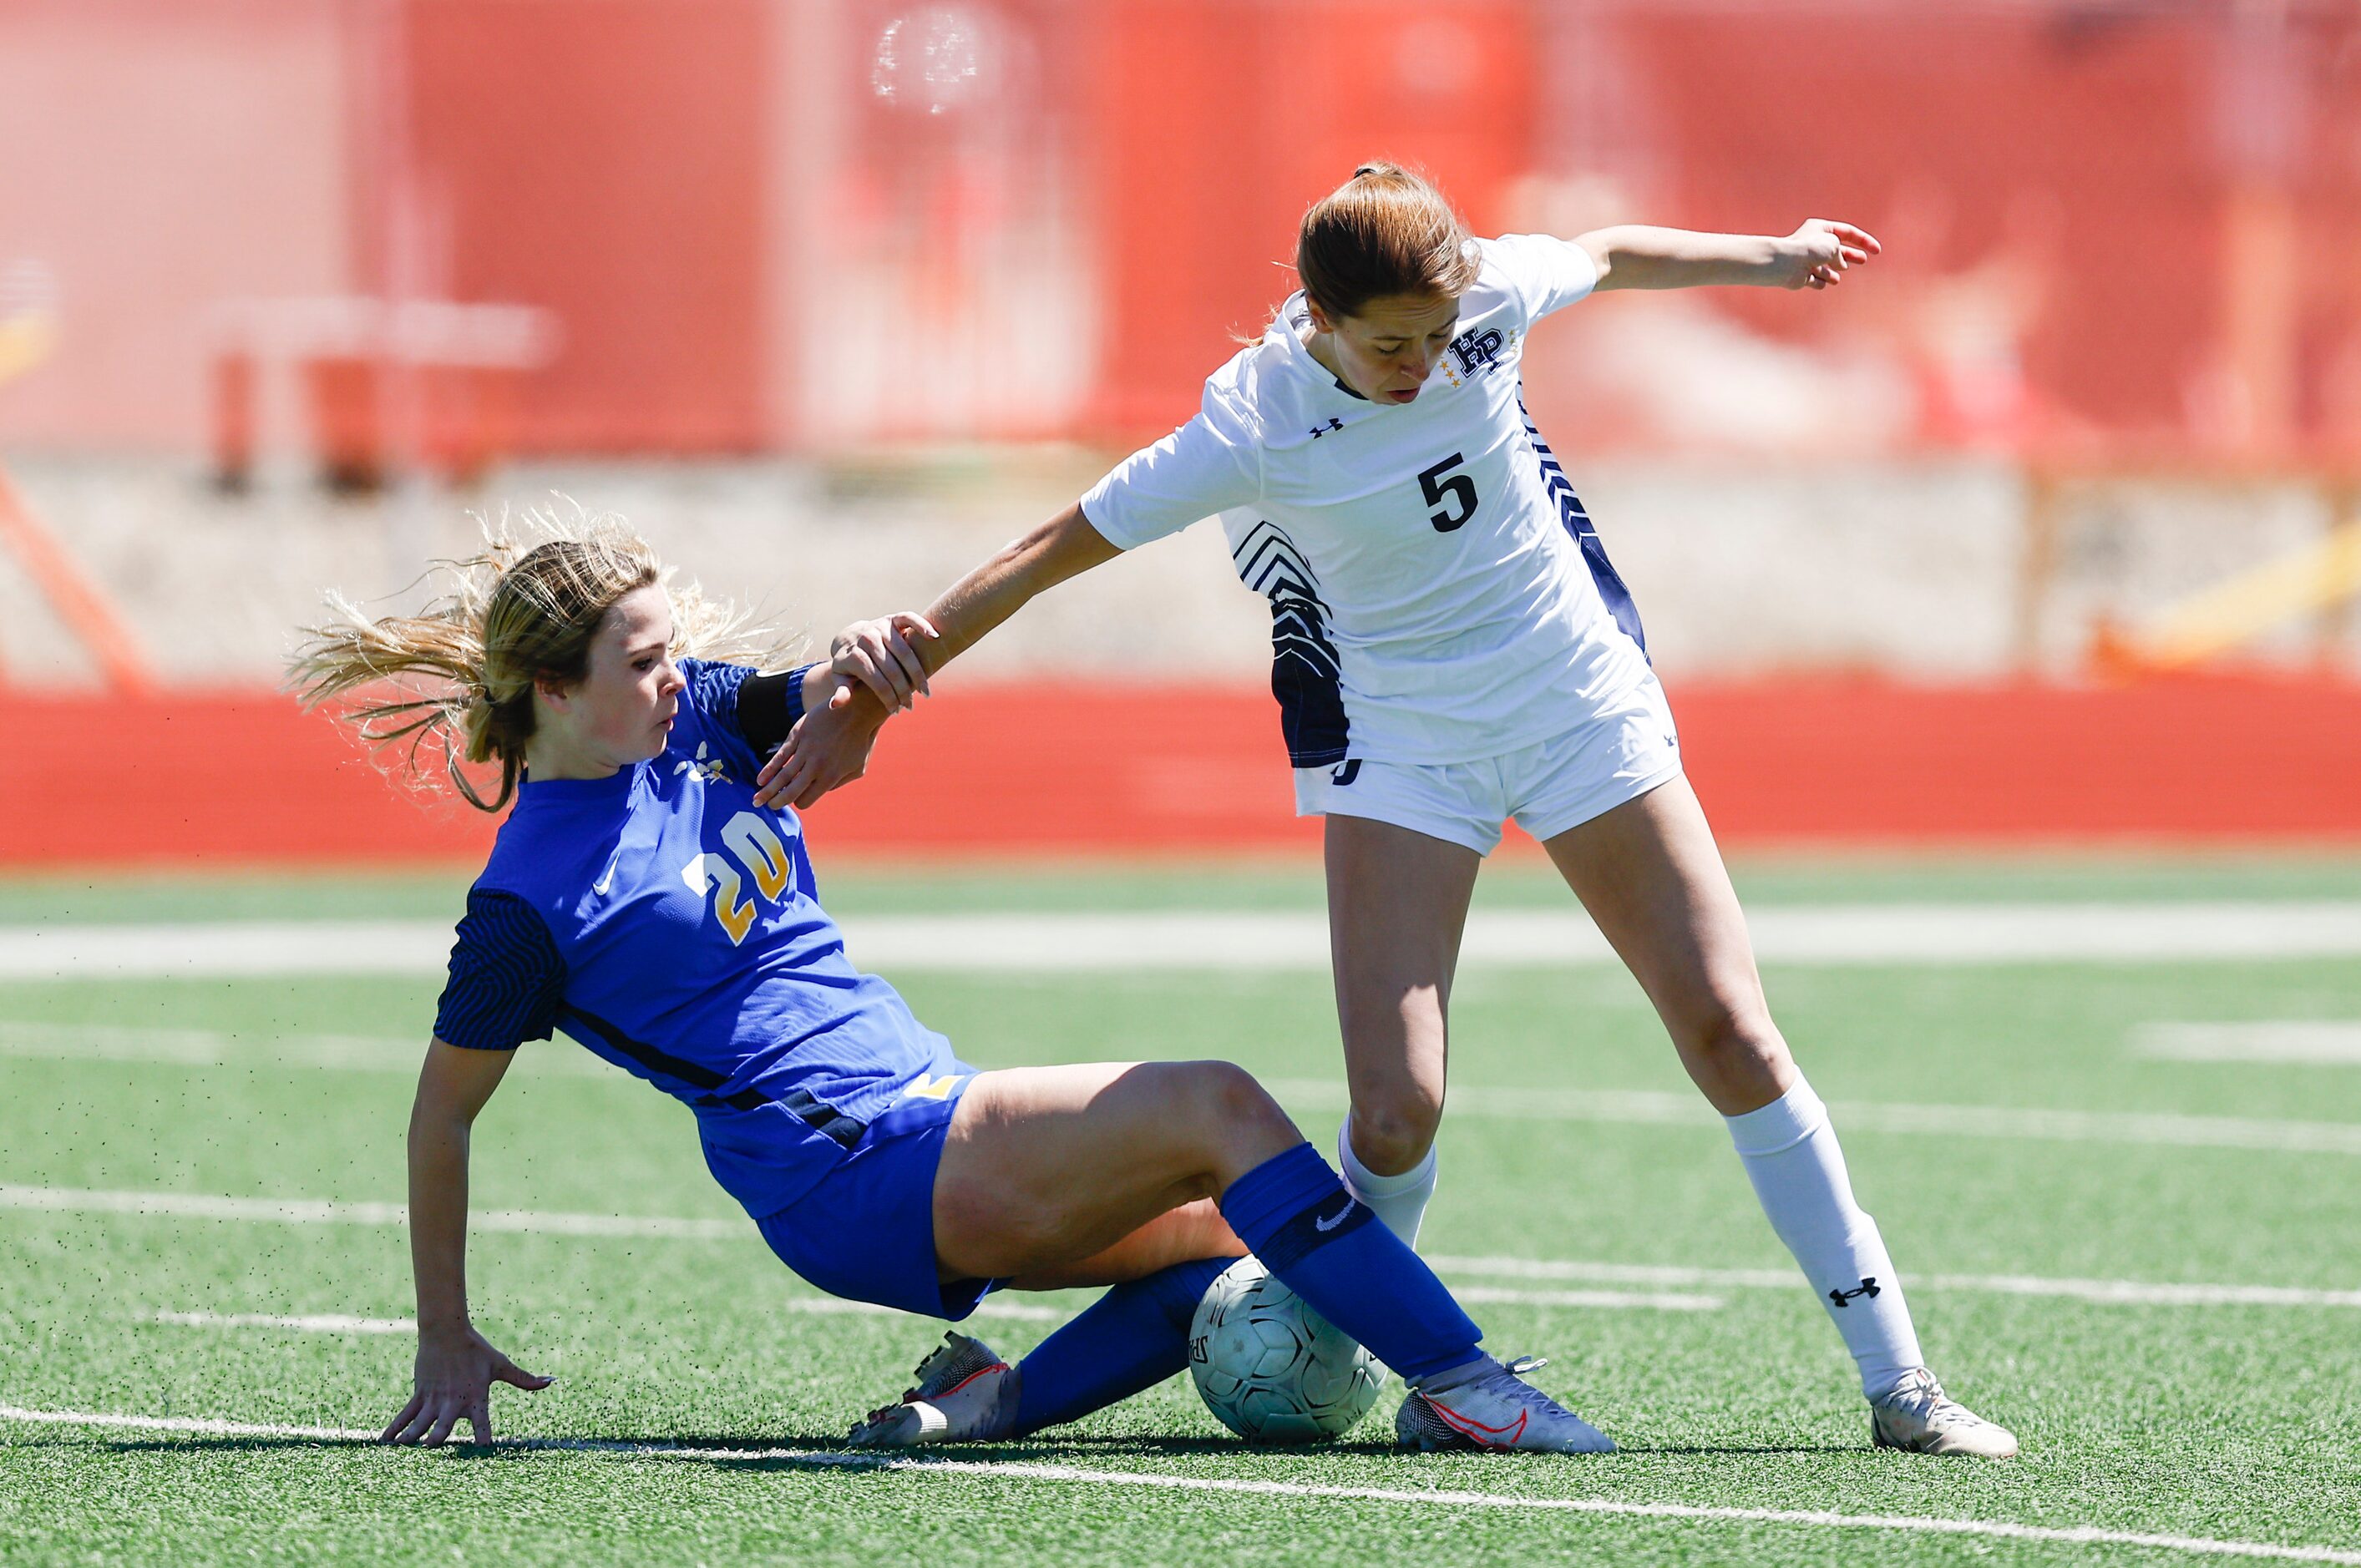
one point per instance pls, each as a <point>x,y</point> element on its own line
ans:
<point>1270,1368</point>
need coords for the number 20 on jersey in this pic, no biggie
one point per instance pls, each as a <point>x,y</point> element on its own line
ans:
<point>758,847</point>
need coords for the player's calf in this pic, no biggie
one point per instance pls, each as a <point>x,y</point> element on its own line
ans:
<point>1328,1248</point>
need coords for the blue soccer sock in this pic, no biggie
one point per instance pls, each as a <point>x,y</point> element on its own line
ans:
<point>1133,1337</point>
<point>1328,1248</point>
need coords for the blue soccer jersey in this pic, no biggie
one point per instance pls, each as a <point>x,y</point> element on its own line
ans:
<point>666,922</point>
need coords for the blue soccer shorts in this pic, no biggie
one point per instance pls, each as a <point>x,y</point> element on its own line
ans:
<point>866,1233</point>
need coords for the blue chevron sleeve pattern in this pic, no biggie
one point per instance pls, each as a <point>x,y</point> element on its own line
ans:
<point>507,978</point>
<point>1304,674</point>
<point>713,693</point>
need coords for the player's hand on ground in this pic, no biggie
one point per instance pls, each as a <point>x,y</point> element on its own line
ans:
<point>454,1378</point>
<point>828,746</point>
<point>1817,255</point>
<point>882,655</point>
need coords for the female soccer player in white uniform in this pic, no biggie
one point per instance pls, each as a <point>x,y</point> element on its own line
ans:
<point>1451,649</point>
<point>639,899</point>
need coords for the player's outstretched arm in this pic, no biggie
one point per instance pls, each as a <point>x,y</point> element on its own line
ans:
<point>456,1366</point>
<point>876,667</point>
<point>1816,256</point>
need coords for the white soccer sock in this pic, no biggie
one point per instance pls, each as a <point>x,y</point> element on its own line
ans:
<point>1791,1155</point>
<point>1399,1201</point>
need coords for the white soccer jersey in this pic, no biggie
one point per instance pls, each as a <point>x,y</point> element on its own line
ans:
<point>1437,593</point>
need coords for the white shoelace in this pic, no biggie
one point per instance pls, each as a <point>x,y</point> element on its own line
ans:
<point>1509,1383</point>
<point>1919,1394</point>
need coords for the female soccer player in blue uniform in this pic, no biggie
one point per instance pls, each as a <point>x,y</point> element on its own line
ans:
<point>1453,648</point>
<point>638,898</point>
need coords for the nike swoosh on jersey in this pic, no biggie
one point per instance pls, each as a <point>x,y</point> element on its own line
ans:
<point>1325,1226</point>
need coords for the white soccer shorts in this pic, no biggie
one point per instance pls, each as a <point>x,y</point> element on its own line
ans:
<point>1619,754</point>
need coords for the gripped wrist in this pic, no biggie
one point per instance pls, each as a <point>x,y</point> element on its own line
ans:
<point>799,692</point>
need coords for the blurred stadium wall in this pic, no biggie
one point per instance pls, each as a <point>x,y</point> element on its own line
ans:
<point>804,225</point>
<point>831,295</point>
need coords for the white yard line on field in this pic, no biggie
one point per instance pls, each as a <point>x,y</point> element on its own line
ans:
<point>1016,1311</point>
<point>1612,1300</point>
<point>1009,1311</point>
<point>994,1307</point>
<point>1095,942</point>
<point>1797,934</point>
<point>2322,1042</point>
<point>341,1324</point>
<point>322,1212</point>
<point>2278,1042</point>
<point>298,1322</point>
<point>1646,1283</point>
<point>1665,1107</point>
<point>1076,1474</point>
<point>2112,1292</point>
<point>42,1040</point>
<point>362,1053</point>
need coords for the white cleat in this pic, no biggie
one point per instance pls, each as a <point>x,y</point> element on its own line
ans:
<point>964,1393</point>
<point>1919,1418</point>
<point>1499,1410</point>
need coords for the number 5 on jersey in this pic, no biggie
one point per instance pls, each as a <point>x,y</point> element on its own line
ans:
<point>1455,496</point>
<point>759,848</point>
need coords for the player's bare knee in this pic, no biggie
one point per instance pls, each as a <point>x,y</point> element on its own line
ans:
<point>1228,1103</point>
<point>1736,1055</point>
<point>1392,1131</point>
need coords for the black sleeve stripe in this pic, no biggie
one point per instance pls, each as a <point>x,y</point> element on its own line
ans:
<point>800,1102</point>
<point>768,706</point>
<point>506,977</point>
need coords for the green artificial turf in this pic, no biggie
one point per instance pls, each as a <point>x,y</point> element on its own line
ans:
<point>1518,877</point>
<point>2235,1423</point>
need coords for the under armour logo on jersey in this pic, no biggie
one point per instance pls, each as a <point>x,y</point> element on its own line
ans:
<point>1334,423</point>
<point>1476,350</point>
<point>1868,1287</point>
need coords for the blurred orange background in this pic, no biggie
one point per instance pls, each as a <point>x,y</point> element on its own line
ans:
<point>1980,547</point>
<point>806,225</point>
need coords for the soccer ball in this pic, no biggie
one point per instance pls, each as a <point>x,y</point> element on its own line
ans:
<point>1272,1369</point>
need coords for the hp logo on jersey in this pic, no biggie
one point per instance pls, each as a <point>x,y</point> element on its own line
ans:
<point>1477,350</point>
